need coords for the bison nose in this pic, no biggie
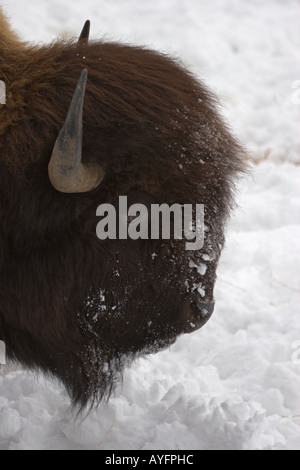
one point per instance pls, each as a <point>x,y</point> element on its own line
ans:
<point>196,314</point>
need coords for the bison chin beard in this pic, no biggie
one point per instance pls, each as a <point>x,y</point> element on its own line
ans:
<point>92,373</point>
<point>107,342</point>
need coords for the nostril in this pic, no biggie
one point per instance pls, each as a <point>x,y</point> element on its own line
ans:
<point>197,314</point>
<point>205,309</point>
<point>193,315</point>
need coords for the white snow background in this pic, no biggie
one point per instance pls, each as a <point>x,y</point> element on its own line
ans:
<point>234,384</point>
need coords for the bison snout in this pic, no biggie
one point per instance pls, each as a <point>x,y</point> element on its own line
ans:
<point>195,314</point>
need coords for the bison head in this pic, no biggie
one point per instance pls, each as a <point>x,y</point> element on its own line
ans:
<point>83,124</point>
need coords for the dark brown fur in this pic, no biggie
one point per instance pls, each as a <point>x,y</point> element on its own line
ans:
<point>74,306</point>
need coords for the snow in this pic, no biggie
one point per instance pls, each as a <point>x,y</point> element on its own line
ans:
<point>235,383</point>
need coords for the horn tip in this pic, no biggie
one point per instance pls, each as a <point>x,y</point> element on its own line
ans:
<point>84,35</point>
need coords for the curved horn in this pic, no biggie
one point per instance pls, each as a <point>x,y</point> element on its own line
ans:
<point>66,171</point>
<point>84,35</point>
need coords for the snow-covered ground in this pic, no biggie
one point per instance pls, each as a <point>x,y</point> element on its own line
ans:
<point>235,384</point>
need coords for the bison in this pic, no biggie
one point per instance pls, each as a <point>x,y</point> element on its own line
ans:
<point>83,123</point>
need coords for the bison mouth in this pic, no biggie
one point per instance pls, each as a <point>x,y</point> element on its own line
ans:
<point>194,315</point>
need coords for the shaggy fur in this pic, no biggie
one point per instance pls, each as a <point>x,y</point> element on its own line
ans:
<point>71,305</point>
